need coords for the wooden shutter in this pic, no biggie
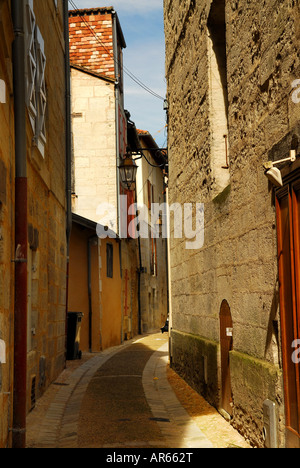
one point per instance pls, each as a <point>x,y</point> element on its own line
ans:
<point>288,229</point>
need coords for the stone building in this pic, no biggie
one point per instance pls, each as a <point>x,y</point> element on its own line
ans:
<point>99,129</point>
<point>102,133</point>
<point>233,70</point>
<point>151,189</point>
<point>33,206</point>
<point>7,169</point>
<point>99,124</point>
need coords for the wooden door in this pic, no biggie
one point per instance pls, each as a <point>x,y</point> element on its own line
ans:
<point>288,229</point>
<point>226,341</point>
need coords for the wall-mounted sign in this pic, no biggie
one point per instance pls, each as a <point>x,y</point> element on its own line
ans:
<point>2,92</point>
<point>2,352</point>
<point>296,93</point>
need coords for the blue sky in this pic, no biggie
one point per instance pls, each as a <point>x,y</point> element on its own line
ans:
<point>144,57</point>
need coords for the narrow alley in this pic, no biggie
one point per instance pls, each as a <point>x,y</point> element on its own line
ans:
<point>127,397</point>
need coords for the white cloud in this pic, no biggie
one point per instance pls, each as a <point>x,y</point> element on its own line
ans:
<point>137,6</point>
<point>124,6</point>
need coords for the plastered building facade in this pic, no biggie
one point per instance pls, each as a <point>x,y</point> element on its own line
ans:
<point>232,69</point>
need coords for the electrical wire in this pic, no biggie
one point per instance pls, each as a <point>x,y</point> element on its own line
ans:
<point>150,164</point>
<point>116,61</point>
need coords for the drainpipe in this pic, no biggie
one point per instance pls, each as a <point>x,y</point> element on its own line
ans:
<point>20,310</point>
<point>90,243</point>
<point>68,148</point>
<point>117,98</point>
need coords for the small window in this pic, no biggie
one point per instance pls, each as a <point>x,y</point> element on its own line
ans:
<point>109,260</point>
<point>2,92</point>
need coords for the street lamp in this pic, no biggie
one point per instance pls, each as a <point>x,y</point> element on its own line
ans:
<point>128,170</point>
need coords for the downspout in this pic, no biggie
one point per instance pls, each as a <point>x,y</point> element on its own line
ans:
<point>117,100</point>
<point>91,241</point>
<point>68,149</point>
<point>21,241</point>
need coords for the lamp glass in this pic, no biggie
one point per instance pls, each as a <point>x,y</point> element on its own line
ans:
<point>128,170</point>
<point>274,176</point>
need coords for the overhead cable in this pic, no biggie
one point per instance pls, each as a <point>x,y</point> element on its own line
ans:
<point>125,70</point>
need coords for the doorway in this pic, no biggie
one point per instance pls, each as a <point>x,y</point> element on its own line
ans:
<point>226,342</point>
<point>288,237</point>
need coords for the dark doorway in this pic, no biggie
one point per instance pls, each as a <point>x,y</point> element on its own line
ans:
<point>226,341</point>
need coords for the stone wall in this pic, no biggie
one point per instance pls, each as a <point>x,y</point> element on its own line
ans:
<point>238,261</point>
<point>47,261</point>
<point>6,219</point>
<point>47,251</point>
<point>94,144</point>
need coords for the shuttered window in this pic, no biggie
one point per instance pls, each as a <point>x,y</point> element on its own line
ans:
<point>36,98</point>
<point>288,229</point>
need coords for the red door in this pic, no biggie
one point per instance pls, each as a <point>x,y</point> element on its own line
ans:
<point>288,229</point>
<point>226,341</point>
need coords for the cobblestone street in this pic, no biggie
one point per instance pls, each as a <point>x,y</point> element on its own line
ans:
<point>126,397</point>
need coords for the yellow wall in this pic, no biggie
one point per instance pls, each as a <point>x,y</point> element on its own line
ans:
<point>106,292</point>
<point>111,297</point>
<point>78,298</point>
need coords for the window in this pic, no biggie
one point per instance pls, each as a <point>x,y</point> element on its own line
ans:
<point>40,89</point>
<point>2,92</point>
<point>31,64</point>
<point>36,99</point>
<point>109,260</point>
<point>218,93</point>
<point>149,194</point>
<point>153,261</point>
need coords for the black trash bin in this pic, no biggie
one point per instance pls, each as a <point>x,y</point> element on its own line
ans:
<point>73,336</point>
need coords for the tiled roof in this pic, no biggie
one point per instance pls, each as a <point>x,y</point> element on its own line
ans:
<point>90,11</point>
<point>91,40</point>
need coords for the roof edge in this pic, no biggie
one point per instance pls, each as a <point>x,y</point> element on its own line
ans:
<point>92,73</point>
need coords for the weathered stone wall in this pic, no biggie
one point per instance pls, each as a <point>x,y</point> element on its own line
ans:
<point>238,261</point>
<point>47,261</point>
<point>6,219</point>
<point>47,251</point>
